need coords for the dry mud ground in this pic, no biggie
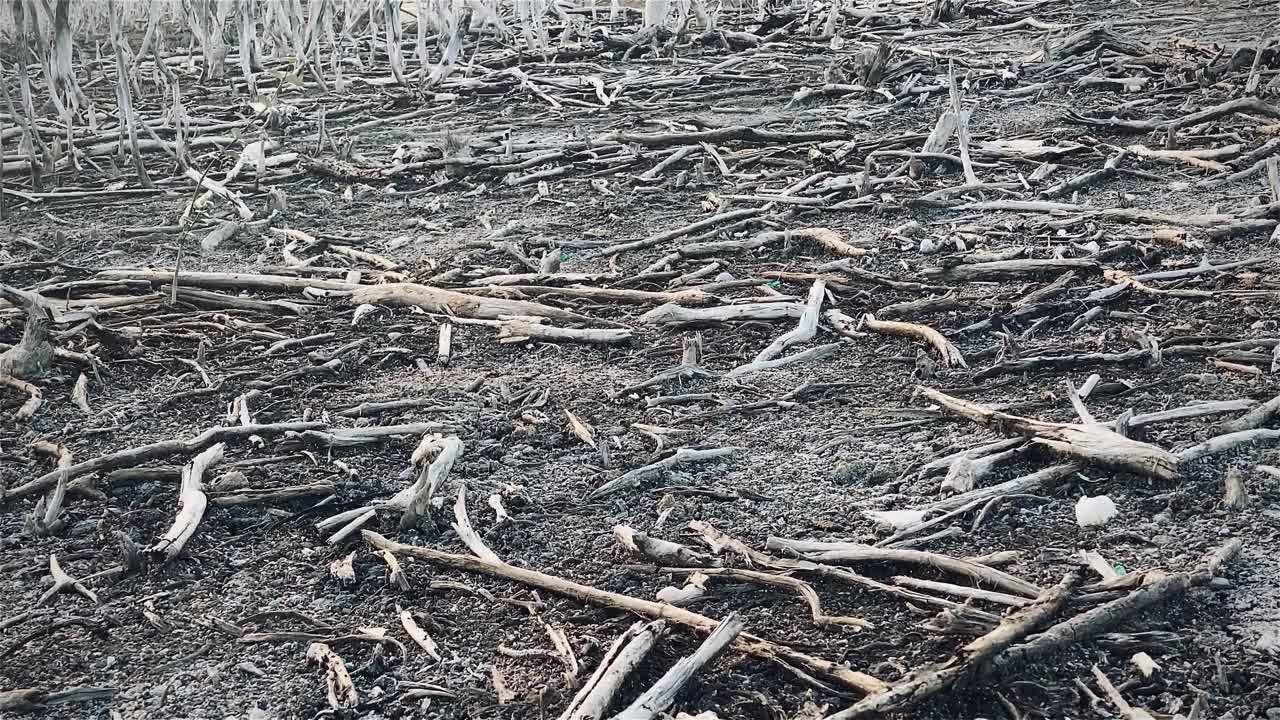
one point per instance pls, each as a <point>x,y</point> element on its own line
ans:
<point>167,639</point>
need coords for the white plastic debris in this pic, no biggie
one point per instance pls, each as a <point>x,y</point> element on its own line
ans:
<point>928,246</point>
<point>895,519</point>
<point>1145,664</point>
<point>1094,511</point>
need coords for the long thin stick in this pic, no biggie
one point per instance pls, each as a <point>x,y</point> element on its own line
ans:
<point>748,644</point>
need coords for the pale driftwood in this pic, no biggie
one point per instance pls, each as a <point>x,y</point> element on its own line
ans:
<point>521,330</point>
<point>623,657</point>
<point>467,533</point>
<point>802,588</point>
<point>1127,711</point>
<point>1094,443</point>
<point>690,367</point>
<point>1037,481</point>
<point>843,324</point>
<point>950,354</point>
<point>357,436</point>
<point>969,662</point>
<point>965,472</point>
<point>192,503</point>
<point>32,356</point>
<point>224,280</point>
<point>748,644</point>
<point>434,459</point>
<point>35,398</point>
<point>62,581</point>
<point>542,279</point>
<point>411,626</point>
<point>943,464</point>
<point>846,552</point>
<point>254,496</point>
<point>720,542</point>
<point>1204,409</point>
<point>804,331</point>
<point>662,694</point>
<point>611,295</point>
<point>1255,418</point>
<point>809,355</point>
<point>451,302</point>
<point>1235,495</point>
<point>824,237</point>
<point>659,238</point>
<point>962,591</point>
<point>1229,441</point>
<point>663,552</point>
<point>444,344</point>
<point>340,691</point>
<point>676,315</point>
<point>640,474</point>
<point>1102,618</point>
<point>1003,269</point>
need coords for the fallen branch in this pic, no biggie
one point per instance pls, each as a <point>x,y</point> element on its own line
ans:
<point>157,451</point>
<point>804,331</point>
<point>802,588</point>
<point>813,353</point>
<point>844,552</point>
<point>34,397</point>
<point>1104,617</point>
<point>969,661</point>
<point>748,644</point>
<point>1093,443</point>
<point>450,302</point>
<point>1223,443</point>
<point>607,295</point>
<point>635,477</point>
<point>622,658</point>
<point>1255,418</point>
<point>662,694</point>
<point>672,314</point>
<point>1038,481</point>
<point>191,505</point>
<point>949,353</point>
<point>1055,362</point>
<point>521,330</point>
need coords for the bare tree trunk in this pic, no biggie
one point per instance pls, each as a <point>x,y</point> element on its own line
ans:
<point>248,38</point>
<point>123,99</point>
<point>391,11</point>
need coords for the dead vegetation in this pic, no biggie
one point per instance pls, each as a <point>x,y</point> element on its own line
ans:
<point>265,256</point>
